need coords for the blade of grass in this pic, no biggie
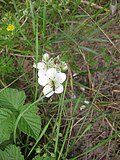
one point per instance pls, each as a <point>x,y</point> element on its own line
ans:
<point>75,7</point>
<point>16,8</point>
<point>2,1</point>
<point>92,4</point>
<point>61,104</point>
<point>98,145</point>
<point>77,103</point>
<point>92,31</point>
<point>84,120</point>
<point>100,29</point>
<point>100,69</point>
<point>44,24</point>
<point>41,135</point>
<point>89,5</point>
<point>32,14</point>
<point>36,57</point>
<point>21,51</point>
<point>65,138</point>
<point>19,27</point>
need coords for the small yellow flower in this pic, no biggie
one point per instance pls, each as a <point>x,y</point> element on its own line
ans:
<point>10,27</point>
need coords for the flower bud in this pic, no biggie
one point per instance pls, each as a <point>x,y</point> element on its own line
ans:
<point>46,57</point>
<point>67,10</point>
<point>83,89</point>
<point>64,67</point>
<point>37,150</point>
<point>86,102</point>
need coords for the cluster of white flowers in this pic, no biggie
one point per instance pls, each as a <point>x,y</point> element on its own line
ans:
<point>50,74</point>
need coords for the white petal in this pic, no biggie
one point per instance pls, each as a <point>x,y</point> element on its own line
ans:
<point>34,65</point>
<point>59,88</point>
<point>41,72</point>
<point>48,91</point>
<point>43,80</point>
<point>40,66</point>
<point>60,77</point>
<point>51,73</point>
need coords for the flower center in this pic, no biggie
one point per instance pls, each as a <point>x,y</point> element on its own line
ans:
<point>52,83</point>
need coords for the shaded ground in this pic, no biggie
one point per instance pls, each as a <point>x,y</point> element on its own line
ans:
<point>108,101</point>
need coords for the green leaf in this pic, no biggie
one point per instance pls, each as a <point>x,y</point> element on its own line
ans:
<point>12,98</point>
<point>11,153</point>
<point>88,49</point>
<point>2,1</point>
<point>43,158</point>
<point>30,122</point>
<point>2,155</point>
<point>7,121</point>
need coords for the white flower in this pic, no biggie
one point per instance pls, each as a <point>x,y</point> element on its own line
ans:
<point>50,75</point>
<point>53,82</point>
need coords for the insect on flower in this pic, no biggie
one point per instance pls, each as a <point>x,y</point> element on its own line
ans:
<point>53,85</point>
<point>10,27</point>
